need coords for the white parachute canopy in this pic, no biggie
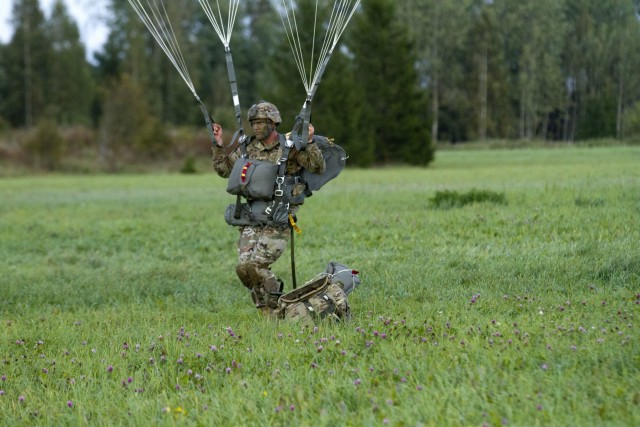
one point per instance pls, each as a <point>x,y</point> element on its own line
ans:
<point>339,16</point>
<point>154,16</point>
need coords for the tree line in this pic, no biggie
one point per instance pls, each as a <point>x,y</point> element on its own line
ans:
<point>406,75</point>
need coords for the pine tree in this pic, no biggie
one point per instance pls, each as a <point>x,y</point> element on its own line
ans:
<point>338,108</point>
<point>26,61</point>
<point>394,108</point>
<point>71,85</point>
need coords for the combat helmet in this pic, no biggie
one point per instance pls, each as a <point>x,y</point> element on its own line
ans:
<point>264,110</point>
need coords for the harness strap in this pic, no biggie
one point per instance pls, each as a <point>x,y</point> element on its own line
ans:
<point>279,197</point>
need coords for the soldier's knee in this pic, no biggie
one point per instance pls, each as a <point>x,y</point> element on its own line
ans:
<point>246,273</point>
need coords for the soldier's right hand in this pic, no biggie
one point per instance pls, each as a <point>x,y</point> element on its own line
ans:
<point>217,134</point>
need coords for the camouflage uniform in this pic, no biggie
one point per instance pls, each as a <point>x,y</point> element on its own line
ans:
<point>260,246</point>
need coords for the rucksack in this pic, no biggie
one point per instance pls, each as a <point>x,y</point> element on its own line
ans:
<point>335,159</point>
<point>323,297</point>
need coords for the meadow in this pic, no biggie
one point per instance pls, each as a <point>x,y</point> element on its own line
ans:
<point>119,303</point>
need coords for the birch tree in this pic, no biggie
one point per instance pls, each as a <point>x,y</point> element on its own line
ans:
<point>438,28</point>
<point>533,33</point>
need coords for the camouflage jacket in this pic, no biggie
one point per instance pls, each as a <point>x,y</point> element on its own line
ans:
<point>310,159</point>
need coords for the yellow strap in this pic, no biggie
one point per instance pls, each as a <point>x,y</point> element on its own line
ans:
<point>294,225</point>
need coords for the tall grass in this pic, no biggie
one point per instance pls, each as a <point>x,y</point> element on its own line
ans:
<point>119,303</point>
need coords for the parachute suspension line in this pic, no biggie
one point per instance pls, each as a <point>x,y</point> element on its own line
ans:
<point>217,22</point>
<point>224,33</point>
<point>341,13</point>
<point>157,22</point>
<point>293,36</point>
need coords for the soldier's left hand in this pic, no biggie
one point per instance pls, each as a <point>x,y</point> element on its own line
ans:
<point>311,132</point>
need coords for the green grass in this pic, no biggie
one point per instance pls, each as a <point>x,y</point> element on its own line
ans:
<point>522,312</point>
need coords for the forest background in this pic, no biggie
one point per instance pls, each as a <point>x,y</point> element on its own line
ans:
<point>408,77</point>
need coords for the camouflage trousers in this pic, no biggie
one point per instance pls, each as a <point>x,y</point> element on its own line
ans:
<point>258,248</point>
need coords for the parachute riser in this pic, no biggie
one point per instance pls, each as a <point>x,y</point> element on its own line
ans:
<point>299,135</point>
<point>238,136</point>
<point>234,86</point>
<point>208,120</point>
<point>300,131</point>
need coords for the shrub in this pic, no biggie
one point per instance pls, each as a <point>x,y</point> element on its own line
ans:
<point>44,149</point>
<point>632,121</point>
<point>452,199</point>
<point>128,130</point>
<point>189,166</point>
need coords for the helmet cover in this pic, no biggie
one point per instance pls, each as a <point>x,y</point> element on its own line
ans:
<point>264,110</point>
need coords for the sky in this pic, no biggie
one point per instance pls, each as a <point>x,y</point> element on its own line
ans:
<point>89,15</point>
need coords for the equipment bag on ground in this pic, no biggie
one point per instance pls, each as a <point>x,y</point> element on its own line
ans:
<point>322,297</point>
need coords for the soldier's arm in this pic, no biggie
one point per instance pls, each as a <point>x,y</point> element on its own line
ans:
<point>223,163</point>
<point>311,159</point>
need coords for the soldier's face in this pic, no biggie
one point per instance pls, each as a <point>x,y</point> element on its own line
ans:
<point>261,128</point>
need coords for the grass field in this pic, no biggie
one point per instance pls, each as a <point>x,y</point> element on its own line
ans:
<point>119,303</point>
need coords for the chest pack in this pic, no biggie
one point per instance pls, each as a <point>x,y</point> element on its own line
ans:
<point>323,297</point>
<point>269,191</point>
